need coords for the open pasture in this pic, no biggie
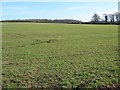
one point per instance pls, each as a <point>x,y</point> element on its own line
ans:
<point>59,55</point>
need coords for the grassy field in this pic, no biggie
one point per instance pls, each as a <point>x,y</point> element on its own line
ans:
<point>59,55</point>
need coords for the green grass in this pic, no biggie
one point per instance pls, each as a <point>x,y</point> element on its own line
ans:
<point>59,55</point>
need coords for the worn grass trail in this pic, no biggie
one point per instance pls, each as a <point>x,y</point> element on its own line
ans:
<point>59,55</point>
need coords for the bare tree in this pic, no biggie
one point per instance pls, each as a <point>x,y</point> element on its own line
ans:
<point>111,17</point>
<point>95,17</point>
<point>117,16</point>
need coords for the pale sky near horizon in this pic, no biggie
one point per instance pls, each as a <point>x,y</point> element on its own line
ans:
<point>59,0</point>
<point>56,10</point>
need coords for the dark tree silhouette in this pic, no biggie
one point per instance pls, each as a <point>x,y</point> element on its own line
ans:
<point>106,17</point>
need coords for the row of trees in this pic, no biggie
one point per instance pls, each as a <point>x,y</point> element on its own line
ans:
<point>107,18</point>
<point>68,21</point>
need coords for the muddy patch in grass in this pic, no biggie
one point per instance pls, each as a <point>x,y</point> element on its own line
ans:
<point>37,41</point>
<point>21,46</point>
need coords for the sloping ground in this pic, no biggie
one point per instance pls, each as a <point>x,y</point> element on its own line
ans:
<point>59,55</point>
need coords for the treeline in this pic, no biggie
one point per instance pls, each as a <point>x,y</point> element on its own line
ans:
<point>68,21</point>
<point>102,22</point>
<point>108,18</point>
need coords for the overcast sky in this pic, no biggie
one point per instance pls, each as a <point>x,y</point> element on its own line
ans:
<point>57,10</point>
